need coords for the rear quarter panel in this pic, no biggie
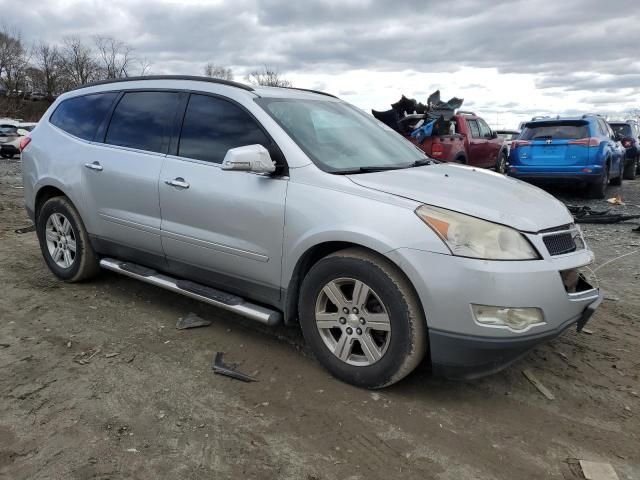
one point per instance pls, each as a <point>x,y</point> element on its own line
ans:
<point>53,158</point>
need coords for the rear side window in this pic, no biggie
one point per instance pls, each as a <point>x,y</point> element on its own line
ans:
<point>212,126</point>
<point>143,120</point>
<point>81,116</point>
<point>555,130</point>
<point>473,126</point>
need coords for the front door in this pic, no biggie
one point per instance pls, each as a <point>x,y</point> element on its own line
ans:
<point>222,228</point>
<point>121,175</point>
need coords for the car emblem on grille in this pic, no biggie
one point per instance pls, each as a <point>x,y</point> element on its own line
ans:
<point>548,142</point>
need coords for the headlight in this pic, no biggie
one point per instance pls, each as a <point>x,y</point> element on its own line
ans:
<point>471,237</point>
<point>517,319</point>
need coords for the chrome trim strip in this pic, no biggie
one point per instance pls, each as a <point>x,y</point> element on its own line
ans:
<point>246,309</point>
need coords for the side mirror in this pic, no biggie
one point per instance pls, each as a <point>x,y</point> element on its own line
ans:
<point>250,158</point>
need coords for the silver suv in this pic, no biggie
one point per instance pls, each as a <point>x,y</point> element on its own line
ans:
<point>293,206</point>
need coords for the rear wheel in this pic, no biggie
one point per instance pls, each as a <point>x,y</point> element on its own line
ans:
<point>599,188</point>
<point>361,318</point>
<point>64,241</point>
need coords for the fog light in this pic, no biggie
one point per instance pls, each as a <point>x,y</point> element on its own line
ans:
<point>513,318</point>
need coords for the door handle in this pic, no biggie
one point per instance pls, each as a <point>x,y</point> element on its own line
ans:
<point>94,166</point>
<point>177,182</point>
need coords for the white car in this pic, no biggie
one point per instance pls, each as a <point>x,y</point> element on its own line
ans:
<point>11,133</point>
<point>10,137</point>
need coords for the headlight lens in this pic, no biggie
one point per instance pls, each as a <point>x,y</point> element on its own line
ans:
<point>471,237</point>
<point>517,319</point>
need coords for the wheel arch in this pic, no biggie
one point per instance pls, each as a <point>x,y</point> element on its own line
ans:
<point>310,257</point>
<point>44,193</point>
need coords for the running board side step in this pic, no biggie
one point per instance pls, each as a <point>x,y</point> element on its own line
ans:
<point>196,291</point>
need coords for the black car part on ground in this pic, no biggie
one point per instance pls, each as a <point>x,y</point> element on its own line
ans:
<point>406,114</point>
<point>584,214</point>
<point>220,368</point>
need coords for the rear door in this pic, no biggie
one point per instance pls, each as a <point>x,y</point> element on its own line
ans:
<point>222,228</point>
<point>121,174</point>
<point>556,144</point>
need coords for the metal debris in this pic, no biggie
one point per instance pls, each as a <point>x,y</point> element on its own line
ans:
<point>30,228</point>
<point>220,368</point>
<point>538,384</point>
<point>191,320</point>
<point>598,471</point>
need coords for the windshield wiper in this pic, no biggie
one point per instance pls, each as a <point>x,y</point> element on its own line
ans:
<point>370,169</point>
<point>421,162</point>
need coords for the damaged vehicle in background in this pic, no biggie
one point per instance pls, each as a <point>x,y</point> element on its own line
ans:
<point>446,133</point>
<point>508,136</point>
<point>291,206</point>
<point>580,150</point>
<point>628,132</point>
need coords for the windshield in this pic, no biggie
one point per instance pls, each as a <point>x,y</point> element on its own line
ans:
<point>339,137</point>
<point>555,130</point>
<point>621,129</point>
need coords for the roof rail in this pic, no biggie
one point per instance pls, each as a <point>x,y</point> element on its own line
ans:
<point>465,112</point>
<point>312,91</point>
<point>592,115</point>
<point>168,77</point>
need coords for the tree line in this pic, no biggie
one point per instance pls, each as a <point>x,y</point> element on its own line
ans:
<point>52,69</point>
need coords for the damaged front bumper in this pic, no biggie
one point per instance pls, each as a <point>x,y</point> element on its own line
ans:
<point>448,286</point>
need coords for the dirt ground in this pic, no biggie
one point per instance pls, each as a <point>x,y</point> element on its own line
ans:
<point>96,382</point>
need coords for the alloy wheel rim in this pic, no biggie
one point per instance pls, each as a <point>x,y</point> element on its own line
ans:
<point>353,322</point>
<point>61,240</point>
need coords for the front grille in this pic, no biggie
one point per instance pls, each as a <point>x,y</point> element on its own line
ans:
<point>561,243</point>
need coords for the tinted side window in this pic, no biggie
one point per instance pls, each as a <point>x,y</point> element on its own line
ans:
<point>473,126</point>
<point>81,116</point>
<point>212,126</point>
<point>143,120</point>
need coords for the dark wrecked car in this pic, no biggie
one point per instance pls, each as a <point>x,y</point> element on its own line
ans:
<point>447,135</point>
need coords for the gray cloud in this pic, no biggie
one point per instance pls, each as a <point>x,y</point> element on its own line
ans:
<point>575,45</point>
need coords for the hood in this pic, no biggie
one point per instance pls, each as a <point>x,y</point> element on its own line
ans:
<point>473,191</point>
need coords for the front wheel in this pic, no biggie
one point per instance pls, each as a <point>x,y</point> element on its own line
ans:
<point>361,318</point>
<point>599,188</point>
<point>64,241</point>
<point>618,180</point>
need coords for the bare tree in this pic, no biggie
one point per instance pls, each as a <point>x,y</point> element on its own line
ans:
<point>216,71</point>
<point>269,77</point>
<point>79,63</point>
<point>145,67</point>
<point>49,69</point>
<point>115,58</point>
<point>13,59</point>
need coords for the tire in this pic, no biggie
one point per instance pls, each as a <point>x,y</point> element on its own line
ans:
<point>399,338</point>
<point>618,180</point>
<point>60,229</point>
<point>631,169</point>
<point>638,165</point>
<point>501,165</point>
<point>599,188</point>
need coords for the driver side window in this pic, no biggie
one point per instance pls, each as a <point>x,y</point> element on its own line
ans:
<point>485,131</point>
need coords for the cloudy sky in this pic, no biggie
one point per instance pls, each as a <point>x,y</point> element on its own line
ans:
<point>509,59</point>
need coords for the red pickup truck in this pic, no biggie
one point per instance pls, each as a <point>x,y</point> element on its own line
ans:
<point>473,143</point>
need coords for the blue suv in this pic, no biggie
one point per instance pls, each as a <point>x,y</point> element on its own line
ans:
<point>578,149</point>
